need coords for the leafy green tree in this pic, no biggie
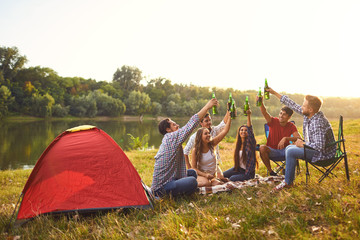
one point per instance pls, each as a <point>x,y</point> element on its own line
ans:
<point>138,103</point>
<point>156,108</point>
<point>107,105</point>
<point>60,111</point>
<point>175,97</point>
<point>83,106</point>
<point>156,89</point>
<point>128,78</point>
<point>10,63</point>
<point>189,107</point>
<point>5,100</point>
<point>41,105</point>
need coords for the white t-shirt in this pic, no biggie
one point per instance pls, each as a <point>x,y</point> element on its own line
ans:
<point>207,163</point>
<point>242,164</point>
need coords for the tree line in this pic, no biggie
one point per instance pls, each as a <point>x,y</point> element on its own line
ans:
<point>41,92</point>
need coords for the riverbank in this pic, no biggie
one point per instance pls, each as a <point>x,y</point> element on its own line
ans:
<point>329,210</point>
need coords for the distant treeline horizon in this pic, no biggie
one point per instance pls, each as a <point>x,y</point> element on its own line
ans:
<point>41,92</point>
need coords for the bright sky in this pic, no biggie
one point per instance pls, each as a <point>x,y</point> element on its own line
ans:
<point>307,47</point>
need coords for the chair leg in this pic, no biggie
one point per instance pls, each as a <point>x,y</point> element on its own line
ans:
<point>346,168</point>
<point>297,167</point>
<point>307,172</point>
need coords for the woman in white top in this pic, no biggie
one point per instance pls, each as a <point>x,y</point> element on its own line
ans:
<point>203,158</point>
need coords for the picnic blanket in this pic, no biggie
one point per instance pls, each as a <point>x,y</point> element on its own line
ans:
<point>229,186</point>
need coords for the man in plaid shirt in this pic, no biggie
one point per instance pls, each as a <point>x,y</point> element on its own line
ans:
<point>317,133</point>
<point>170,170</point>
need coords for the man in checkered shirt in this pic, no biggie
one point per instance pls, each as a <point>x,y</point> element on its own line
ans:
<point>317,133</point>
<point>170,170</point>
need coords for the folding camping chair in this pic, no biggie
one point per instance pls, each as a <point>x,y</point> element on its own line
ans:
<point>327,165</point>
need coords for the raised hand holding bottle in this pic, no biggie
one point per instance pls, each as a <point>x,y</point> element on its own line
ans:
<point>259,100</point>
<point>266,93</point>
<point>246,106</point>
<point>214,108</point>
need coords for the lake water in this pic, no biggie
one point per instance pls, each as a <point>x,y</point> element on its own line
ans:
<point>22,143</point>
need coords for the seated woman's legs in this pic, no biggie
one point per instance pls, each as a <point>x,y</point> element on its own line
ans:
<point>237,175</point>
<point>228,173</point>
<point>203,181</point>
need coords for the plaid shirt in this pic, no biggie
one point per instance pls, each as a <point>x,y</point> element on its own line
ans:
<point>170,160</point>
<point>213,133</point>
<point>317,131</point>
<point>250,149</point>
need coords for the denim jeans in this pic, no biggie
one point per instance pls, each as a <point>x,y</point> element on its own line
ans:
<point>185,185</point>
<point>234,176</point>
<point>292,153</point>
<point>277,154</point>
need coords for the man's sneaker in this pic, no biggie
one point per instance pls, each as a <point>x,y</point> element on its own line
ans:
<point>272,173</point>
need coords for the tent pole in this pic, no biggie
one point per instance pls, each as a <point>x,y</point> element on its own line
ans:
<point>12,216</point>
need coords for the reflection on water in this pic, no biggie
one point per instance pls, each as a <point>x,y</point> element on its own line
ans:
<point>22,143</point>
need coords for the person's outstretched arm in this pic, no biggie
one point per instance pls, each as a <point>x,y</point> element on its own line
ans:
<point>264,112</point>
<point>206,108</point>
<point>248,123</point>
<point>278,95</point>
<point>223,133</point>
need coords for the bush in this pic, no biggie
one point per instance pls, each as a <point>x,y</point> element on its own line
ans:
<point>60,111</point>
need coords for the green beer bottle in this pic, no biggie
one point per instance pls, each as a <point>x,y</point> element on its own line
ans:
<point>214,108</point>
<point>266,93</point>
<point>258,102</point>
<point>246,105</point>
<point>233,110</point>
<point>230,102</point>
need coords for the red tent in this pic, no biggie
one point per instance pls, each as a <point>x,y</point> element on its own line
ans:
<point>82,170</point>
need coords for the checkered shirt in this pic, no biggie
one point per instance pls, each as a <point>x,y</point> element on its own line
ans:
<point>170,160</point>
<point>317,130</point>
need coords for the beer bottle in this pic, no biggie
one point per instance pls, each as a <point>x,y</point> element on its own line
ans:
<point>246,106</point>
<point>230,102</point>
<point>266,93</point>
<point>258,102</point>
<point>233,110</point>
<point>214,108</point>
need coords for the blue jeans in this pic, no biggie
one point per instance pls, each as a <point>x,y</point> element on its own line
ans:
<point>185,185</point>
<point>277,154</point>
<point>234,176</point>
<point>292,153</point>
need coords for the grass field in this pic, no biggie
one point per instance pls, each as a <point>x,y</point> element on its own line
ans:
<point>329,210</point>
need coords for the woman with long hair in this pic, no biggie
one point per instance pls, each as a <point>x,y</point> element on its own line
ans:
<point>244,155</point>
<point>203,158</point>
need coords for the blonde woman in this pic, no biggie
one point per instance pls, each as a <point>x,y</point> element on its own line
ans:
<point>203,158</point>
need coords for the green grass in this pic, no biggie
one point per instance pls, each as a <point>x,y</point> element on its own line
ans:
<point>329,210</point>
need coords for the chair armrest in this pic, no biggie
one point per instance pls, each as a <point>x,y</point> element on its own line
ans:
<point>333,143</point>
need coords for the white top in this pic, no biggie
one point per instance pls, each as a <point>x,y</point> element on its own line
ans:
<point>207,163</point>
<point>213,133</point>
<point>242,164</point>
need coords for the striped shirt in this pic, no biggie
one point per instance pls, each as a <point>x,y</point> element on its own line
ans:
<point>317,132</point>
<point>170,160</point>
